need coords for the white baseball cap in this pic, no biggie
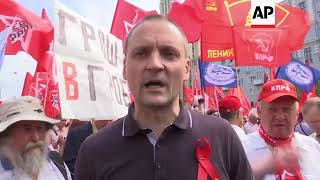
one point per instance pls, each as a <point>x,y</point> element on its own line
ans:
<point>24,108</point>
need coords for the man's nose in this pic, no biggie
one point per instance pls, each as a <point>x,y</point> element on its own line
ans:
<point>35,135</point>
<point>280,115</point>
<point>155,62</point>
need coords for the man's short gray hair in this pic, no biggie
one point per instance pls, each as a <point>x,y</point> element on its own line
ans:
<point>154,17</point>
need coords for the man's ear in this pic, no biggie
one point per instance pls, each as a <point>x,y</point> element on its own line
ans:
<point>187,69</point>
<point>259,109</point>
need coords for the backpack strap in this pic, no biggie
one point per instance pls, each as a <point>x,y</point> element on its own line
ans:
<point>58,161</point>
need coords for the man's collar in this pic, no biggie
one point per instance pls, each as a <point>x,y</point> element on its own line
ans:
<point>297,142</point>
<point>131,127</point>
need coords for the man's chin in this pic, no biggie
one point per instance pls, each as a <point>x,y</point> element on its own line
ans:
<point>34,160</point>
<point>155,101</point>
<point>281,135</point>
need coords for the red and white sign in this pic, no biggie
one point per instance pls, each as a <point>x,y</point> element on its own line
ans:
<point>89,63</point>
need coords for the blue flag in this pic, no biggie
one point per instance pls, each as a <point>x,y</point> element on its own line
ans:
<point>217,75</point>
<point>298,74</point>
<point>316,75</point>
<point>3,42</point>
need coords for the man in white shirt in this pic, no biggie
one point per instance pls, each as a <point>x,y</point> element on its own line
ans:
<point>23,149</point>
<point>311,114</point>
<point>275,151</point>
<point>252,123</point>
<point>57,136</point>
<point>230,109</point>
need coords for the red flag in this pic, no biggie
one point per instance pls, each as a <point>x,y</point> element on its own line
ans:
<point>220,93</point>
<point>209,102</point>
<point>27,85</point>
<point>215,94</point>
<point>45,64</point>
<point>188,16</point>
<point>40,83</point>
<point>52,100</point>
<point>272,73</point>
<point>46,90</point>
<point>196,86</point>
<point>212,99</point>
<point>125,17</point>
<point>313,92</point>
<point>188,94</point>
<point>305,96</point>
<point>298,24</point>
<point>215,13</point>
<point>261,47</point>
<point>29,32</point>
<point>216,43</point>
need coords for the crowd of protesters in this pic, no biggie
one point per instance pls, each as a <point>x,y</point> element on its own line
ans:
<point>160,138</point>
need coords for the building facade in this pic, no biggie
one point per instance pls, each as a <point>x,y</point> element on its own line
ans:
<point>310,53</point>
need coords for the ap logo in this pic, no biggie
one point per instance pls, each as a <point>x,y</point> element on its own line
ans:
<point>263,13</point>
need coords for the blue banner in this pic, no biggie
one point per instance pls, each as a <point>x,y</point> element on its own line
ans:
<point>316,75</point>
<point>213,74</point>
<point>298,73</point>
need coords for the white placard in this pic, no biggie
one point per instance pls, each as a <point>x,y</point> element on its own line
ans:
<point>89,63</point>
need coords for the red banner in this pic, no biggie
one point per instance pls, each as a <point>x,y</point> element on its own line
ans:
<point>261,47</point>
<point>125,17</point>
<point>30,33</point>
<point>46,90</point>
<point>216,43</point>
<point>216,39</point>
<point>188,16</point>
<point>188,94</point>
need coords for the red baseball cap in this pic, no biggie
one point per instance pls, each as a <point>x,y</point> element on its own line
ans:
<point>277,88</point>
<point>229,104</point>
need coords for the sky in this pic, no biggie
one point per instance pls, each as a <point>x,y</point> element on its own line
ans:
<point>96,11</point>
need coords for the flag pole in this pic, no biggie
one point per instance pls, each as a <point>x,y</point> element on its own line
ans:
<point>94,126</point>
<point>216,99</point>
<point>235,64</point>
<point>36,90</point>
<point>46,93</point>
<point>271,78</point>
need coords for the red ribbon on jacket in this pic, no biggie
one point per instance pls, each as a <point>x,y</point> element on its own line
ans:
<point>281,169</point>
<point>203,152</point>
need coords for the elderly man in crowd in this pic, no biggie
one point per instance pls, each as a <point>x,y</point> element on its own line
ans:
<point>252,123</point>
<point>275,151</point>
<point>311,114</point>
<point>23,149</point>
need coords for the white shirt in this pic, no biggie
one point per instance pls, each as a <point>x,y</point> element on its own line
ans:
<point>250,128</point>
<point>239,132</point>
<point>314,136</point>
<point>307,148</point>
<point>49,172</point>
